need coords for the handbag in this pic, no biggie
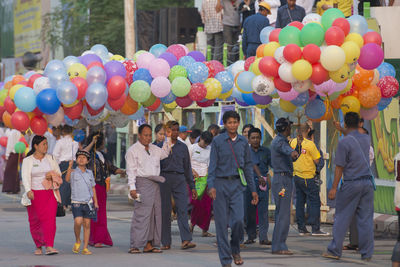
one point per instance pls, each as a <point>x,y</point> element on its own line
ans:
<point>240,170</point>
<point>200,186</point>
<point>60,210</point>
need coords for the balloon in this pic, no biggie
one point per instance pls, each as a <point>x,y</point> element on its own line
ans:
<point>116,86</point>
<point>115,68</point>
<point>186,61</point>
<point>160,87</point>
<point>47,101</point>
<point>340,75</point>
<point>140,91</point>
<point>117,104</point>
<point>75,70</point>
<point>9,105</point>
<point>301,70</point>
<point>198,92</point>
<point>248,99</point>
<point>184,102</point>
<point>254,67</point>
<point>288,96</point>
<point>296,24</point>
<point>206,103</point>
<point>67,93</point>
<point>389,86</point>
<point>130,67</point>
<point>20,147</point>
<point>96,95</point>
<point>381,105</point>
<point>142,74</point>
<point>197,72</point>
<point>332,57</point>
<point>265,33</point>
<point>362,77</point>
<point>95,64</point>
<point>260,51</point>
<point>158,49</point>
<point>32,79</point>
<point>386,69</point>
<point>218,67</point>
<point>180,86</point>
<point>315,109</point>
<point>57,77</point>
<point>343,24</point>
<point>7,119</point>
<point>350,104</point>
<point>155,105</point>
<point>197,55</point>
<point>312,33</point>
<point>99,50</point>
<point>17,79</point>
<point>3,95</point>
<point>237,67</point>
<point>150,101</point>
<point>74,112</point>
<point>170,58</point>
<point>262,85</point>
<point>274,35</point>
<point>38,125</point>
<point>311,53</point>
<point>330,16</point>
<point>301,99</point>
<point>369,114</point>
<point>177,71</point>
<point>40,84</point>
<point>352,51</point>
<point>243,81</point>
<point>334,36</point>
<point>270,48</point>
<point>25,99</point>
<point>54,65</point>
<point>302,86</point>
<point>69,60</point>
<point>358,24</point>
<point>282,85</point>
<point>20,121</point>
<point>81,86</point>
<point>138,114</point>
<point>261,100</point>
<point>214,88</point>
<point>3,141</point>
<point>226,80</point>
<point>372,37</point>
<point>289,35</point>
<point>130,106</point>
<point>249,61</point>
<point>371,56</point>
<point>159,68</point>
<point>329,87</point>
<point>168,99</point>
<point>278,55</point>
<point>137,54</point>
<point>177,50</point>
<point>89,59</point>
<point>287,106</point>
<point>13,90</point>
<point>285,73</point>
<point>292,52</point>
<point>96,75</point>
<point>355,37</point>
<point>79,135</point>
<point>311,18</point>
<point>269,66</point>
<point>225,96</point>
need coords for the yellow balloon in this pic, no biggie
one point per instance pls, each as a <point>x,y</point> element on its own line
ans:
<point>332,58</point>
<point>355,37</point>
<point>269,49</point>
<point>71,105</point>
<point>170,107</point>
<point>302,70</point>
<point>348,87</point>
<point>226,95</point>
<point>340,75</point>
<point>117,58</point>
<point>214,88</point>
<point>13,90</point>
<point>77,70</point>
<point>286,106</point>
<point>254,67</point>
<point>350,104</point>
<point>27,150</point>
<point>351,50</point>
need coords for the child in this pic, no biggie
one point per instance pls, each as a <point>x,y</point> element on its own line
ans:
<point>83,195</point>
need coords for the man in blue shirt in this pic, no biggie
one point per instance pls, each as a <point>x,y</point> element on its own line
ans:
<point>230,155</point>
<point>289,13</point>
<point>252,27</point>
<point>282,156</point>
<point>261,158</point>
<point>356,194</point>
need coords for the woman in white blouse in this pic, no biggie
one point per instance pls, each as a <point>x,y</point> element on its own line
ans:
<point>39,169</point>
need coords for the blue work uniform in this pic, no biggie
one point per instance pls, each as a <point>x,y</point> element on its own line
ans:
<point>252,27</point>
<point>262,159</point>
<point>282,187</point>
<point>355,196</point>
<point>177,171</point>
<point>223,175</point>
<point>286,15</point>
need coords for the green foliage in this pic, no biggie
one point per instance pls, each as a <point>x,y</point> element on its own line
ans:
<point>159,4</point>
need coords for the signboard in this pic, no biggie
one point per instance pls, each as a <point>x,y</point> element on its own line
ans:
<point>223,110</point>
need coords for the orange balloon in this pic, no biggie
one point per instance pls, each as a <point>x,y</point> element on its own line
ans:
<point>7,120</point>
<point>8,85</point>
<point>369,97</point>
<point>17,79</point>
<point>362,78</point>
<point>130,106</point>
<point>260,50</point>
<point>336,103</point>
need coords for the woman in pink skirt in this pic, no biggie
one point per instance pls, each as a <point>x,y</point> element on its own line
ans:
<point>41,178</point>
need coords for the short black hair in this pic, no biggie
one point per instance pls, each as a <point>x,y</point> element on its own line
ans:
<point>230,114</point>
<point>158,127</point>
<point>173,123</point>
<point>207,137</point>
<point>249,125</point>
<point>352,120</point>
<point>66,129</point>
<point>141,127</point>
<point>254,130</point>
<point>195,133</point>
<point>213,127</point>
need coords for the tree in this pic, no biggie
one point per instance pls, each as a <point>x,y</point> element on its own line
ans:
<point>159,4</point>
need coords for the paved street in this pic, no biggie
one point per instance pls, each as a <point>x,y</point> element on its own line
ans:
<point>16,246</point>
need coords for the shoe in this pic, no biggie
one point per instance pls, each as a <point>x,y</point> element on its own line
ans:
<point>76,248</point>
<point>282,252</point>
<point>366,259</point>
<point>249,241</point>
<point>265,242</point>
<point>85,251</point>
<point>320,233</point>
<point>330,256</point>
<point>303,232</point>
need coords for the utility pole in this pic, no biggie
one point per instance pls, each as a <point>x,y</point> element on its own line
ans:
<point>130,40</point>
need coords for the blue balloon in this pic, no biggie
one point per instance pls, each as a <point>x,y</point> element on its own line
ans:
<point>67,92</point>
<point>386,69</point>
<point>70,60</point>
<point>237,94</point>
<point>54,65</point>
<point>57,77</point>
<point>25,99</point>
<point>138,114</point>
<point>186,61</point>
<point>197,72</point>
<point>384,103</point>
<point>358,24</point>
<point>264,34</point>
<point>315,109</point>
<point>47,101</point>
<point>79,135</point>
<point>158,49</point>
<point>100,50</point>
<point>168,99</point>
<point>301,99</point>
<point>70,122</point>
<point>226,80</point>
<point>96,95</point>
<point>142,74</point>
<point>244,81</point>
<point>241,103</point>
<point>248,99</point>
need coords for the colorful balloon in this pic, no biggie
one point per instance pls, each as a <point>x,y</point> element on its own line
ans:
<point>160,86</point>
<point>311,53</point>
<point>301,70</point>
<point>389,86</point>
<point>371,56</point>
<point>312,33</point>
<point>289,35</point>
<point>20,121</point>
<point>333,58</point>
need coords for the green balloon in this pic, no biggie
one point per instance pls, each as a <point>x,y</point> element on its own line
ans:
<point>149,101</point>
<point>20,147</point>
<point>312,33</point>
<point>3,96</point>
<point>329,17</point>
<point>180,86</point>
<point>137,54</point>
<point>140,91</point>
<point>289,35</point>
<point>177,71</point>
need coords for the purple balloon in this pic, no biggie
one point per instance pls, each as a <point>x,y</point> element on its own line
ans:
<point>197,55</point>
<point>114,68</point>
<point>89,58</point>
<point>170,58</point>
<point>262,100</point>
<point>243,104</point>
<point>371,56</point>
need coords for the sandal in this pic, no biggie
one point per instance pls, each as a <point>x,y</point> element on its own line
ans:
<point>98,245</point>
<point>134,251</point>
<point>237,259</point>
<point>85,251</point>
<point>207,234</point>
<point>38,251</point>
<point>249,241</point>
<point>51,252</point>
<point>350,247</point>
<point>188,245</point>
<point>282,252</point>
<point>76,248</point>
<point>330,256</point>
<point>152,250</point>
<point>165,247</point>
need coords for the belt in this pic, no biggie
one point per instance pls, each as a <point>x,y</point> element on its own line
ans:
<point>284,173</point>
<point>232,177</point>
<point>173,173</point>
<point>365,177</point>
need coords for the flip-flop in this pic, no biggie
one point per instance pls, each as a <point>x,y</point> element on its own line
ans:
<point>207,234</point>
<point>52,252</point>
<point>134,251</point>
<point>330,256</point>
<point>237,259</point>
<point>165,247</point>
<point>153,250</point>
<point>76,248</point>
<point>188,245</point>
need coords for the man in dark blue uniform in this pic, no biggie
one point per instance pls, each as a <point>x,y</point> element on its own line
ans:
<point>230,170</point>
<point>282,156</point>
<point>252,27</point>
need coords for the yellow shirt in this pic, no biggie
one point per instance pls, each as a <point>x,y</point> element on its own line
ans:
<point>320,11</point>
<point>304,166</point>
<point>345,6</point>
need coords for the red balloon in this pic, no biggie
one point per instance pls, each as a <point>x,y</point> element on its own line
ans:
<point>2,110</point>
<point>334,36</point>
<point>211,69</point>
<point>9,105</point>
<point>292,52</point>
<point>32,79</point>
<point>94,112</point>
<point>38,125</point>
<point>3,141</point>
<point>248,62</point>
<point>269,66</point>
<point>95,63</point>
<point>205,104</point>
<point>38,112</point>
<point>319,74</point>
<point>218,67</point>
<point>274,35</point>
<point>389,86</point>
<point>372,37</point>
<point>198,92</point>
<point>116,86</point>
<point>130,67</point>
<point>20,121</point>
<point>343,24</point>
<point>82,86</point>
<point>74,112</point>
<point>297,24</point>
<point>184,102</point>
<point>155,105</point>
<point>25,83</point>
<point>311,53</point>
<point>281,85</point>
<point>117,104</point>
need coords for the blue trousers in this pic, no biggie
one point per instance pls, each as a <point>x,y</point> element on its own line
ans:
<point>354,198</point>
<point>251,212</point>
<point>307,191</point>
<point>228,211</point>
<point>176,186</point>
<point>282,210</point>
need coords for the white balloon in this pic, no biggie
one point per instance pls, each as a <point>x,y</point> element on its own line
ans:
<point>262,85</point>
<point>88,52</point>
<point>40,84</point>
<point>279,55</point>
<point>57,118</point>
<point>302,86</point>
<point>312,17</point>
<point>237,67</point>
<point>285,73</point>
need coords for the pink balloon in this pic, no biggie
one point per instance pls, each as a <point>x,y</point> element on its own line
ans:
<point>159,68</point>
<point>369,114</point>
<point>160,87</point>
<point>144,60</point>
<point>177,50</point>
<point>371,56</point>
<point>288,96</point>
<point>329,87</point>
<point>185,47</point>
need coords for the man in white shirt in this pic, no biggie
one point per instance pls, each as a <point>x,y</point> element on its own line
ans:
<point>143,169</point>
